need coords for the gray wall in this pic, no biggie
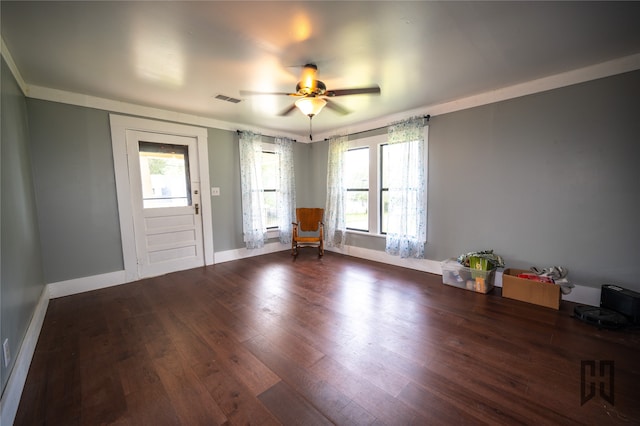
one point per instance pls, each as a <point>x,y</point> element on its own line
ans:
<point>75,190</point>
<point>224,171</point>
<point>302,162</point>
<point>546,179</point>
<point>21,278</point>
<point>317,169</point>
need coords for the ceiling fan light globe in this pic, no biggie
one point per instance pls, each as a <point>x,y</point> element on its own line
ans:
<point>310,106</point>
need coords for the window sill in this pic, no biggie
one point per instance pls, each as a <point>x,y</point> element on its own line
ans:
<point>368,234</point>
<point>273,233</point>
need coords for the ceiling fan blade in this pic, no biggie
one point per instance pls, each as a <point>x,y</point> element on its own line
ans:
<point>337,108</point>
<point>374,90</point>
<point>252,93</point>
<point>287,111</point>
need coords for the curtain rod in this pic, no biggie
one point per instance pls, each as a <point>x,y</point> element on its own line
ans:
<point>267,136</point>
<point>427,117</point>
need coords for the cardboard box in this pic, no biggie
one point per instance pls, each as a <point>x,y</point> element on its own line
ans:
<point>543,294</point>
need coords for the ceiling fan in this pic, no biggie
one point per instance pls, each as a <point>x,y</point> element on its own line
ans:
<point>314,95</point>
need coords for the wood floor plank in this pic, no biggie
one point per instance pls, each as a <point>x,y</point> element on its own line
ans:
<point>290,408</point>
<point>334,340</point>
<point>236,400</point>
<point>384,406</point>
<point>233,356</point>
<point>188,396</point>
<point>336,406</point>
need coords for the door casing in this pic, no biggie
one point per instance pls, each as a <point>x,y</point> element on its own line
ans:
<point>119,126</point>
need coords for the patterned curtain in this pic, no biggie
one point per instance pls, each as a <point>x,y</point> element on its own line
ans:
<point>407,225</point>
<point>253,228</point>
<point>334,220</point>
<point>287,190</point>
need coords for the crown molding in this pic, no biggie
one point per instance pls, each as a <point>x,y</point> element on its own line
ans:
<point>72,98</point>
<point>4,51</point>
<point>556,81</point>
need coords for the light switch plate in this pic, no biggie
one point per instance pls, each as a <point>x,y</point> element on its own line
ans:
<point>215,192</point>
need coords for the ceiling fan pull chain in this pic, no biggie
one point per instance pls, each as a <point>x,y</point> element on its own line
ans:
<point>310,132</point>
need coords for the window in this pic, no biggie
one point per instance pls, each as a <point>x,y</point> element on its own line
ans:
<point>268,190</point>
<point>390,155</point>
<point>357,184</point>
<point>271,184</point>
<point>371,168</point>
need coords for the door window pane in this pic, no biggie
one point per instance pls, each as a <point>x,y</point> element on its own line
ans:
<point>164,170</point>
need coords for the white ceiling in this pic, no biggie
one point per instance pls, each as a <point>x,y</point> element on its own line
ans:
<point>178,56</point>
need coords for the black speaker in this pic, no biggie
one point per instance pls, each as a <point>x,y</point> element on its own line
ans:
<point>619,299</point>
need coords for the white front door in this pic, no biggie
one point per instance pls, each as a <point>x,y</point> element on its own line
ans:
<point>166,202</point>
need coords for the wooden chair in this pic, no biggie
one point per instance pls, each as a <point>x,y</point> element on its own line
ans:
<point>309,222</point>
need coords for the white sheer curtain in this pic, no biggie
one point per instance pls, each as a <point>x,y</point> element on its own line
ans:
<point>287,189</point>
<point>253,228</point>
<point>407,225</point>
<point>334,212</point>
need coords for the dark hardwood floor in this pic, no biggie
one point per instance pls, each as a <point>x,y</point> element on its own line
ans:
<point>337,340</point>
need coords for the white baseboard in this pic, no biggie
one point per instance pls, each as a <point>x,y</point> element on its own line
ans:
<point>12,393</point>
<point>583,295</point>
<point>425,265</point>
<point>242,253</point>
<point>579,294</point>
<point>80,285</point>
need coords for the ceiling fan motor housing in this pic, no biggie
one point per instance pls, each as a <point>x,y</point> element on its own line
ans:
<point>317,89</point>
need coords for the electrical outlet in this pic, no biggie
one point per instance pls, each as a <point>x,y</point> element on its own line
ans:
<point>5,351</point>
<point>215,192</point>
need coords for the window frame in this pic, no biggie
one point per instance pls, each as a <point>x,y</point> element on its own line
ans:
<point>373,143</point>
